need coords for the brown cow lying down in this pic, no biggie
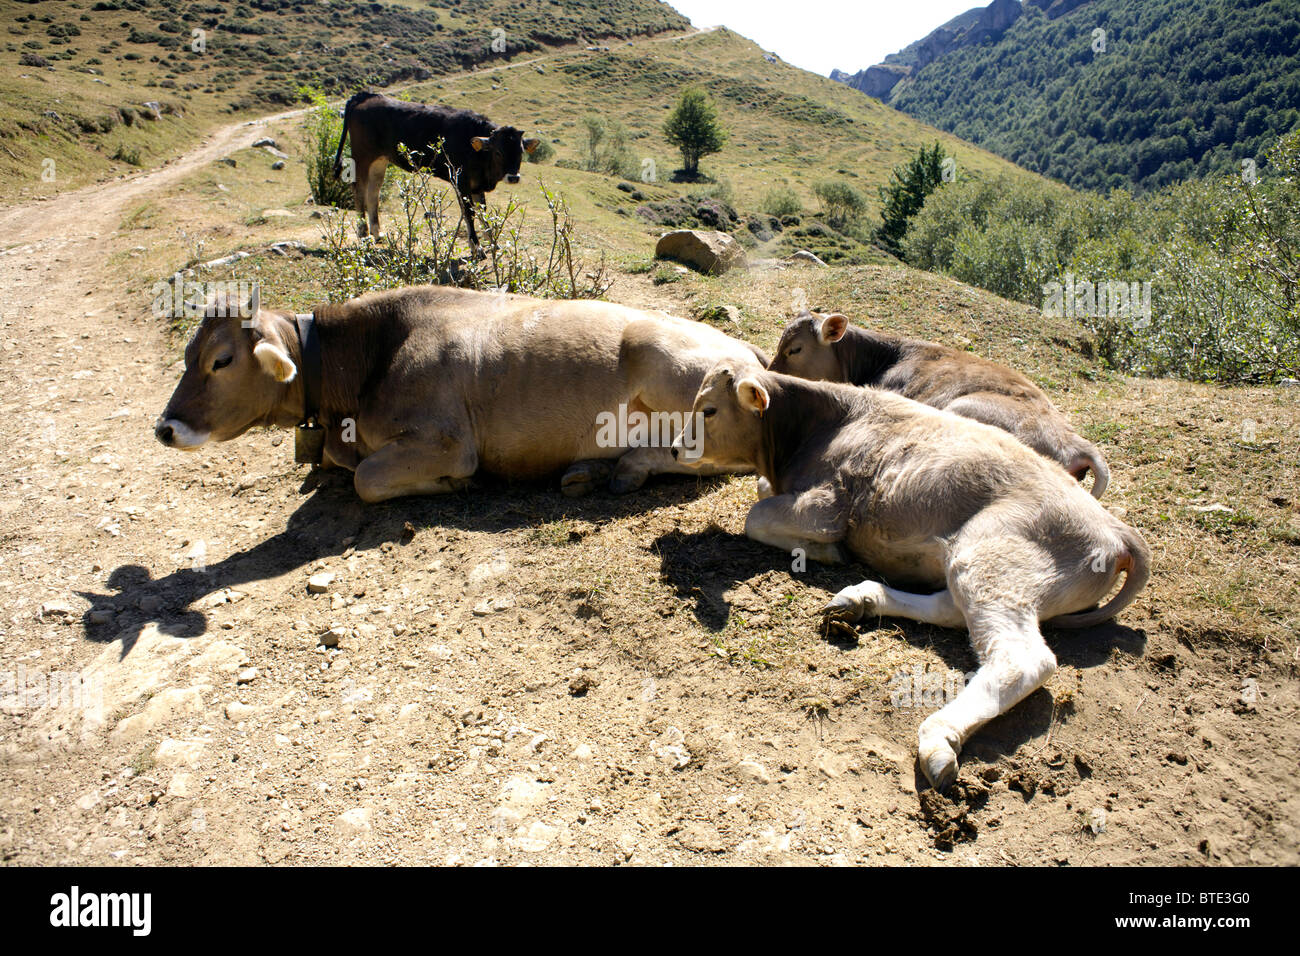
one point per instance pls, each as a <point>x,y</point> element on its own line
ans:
<point>828,348</point>
<point>928,497</point>
<point>423,387</point>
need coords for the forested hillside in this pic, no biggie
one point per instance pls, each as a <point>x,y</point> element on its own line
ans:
<point>1169,91</point>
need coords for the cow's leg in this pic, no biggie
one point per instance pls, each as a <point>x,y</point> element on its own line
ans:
<point>872,597</point>
<point>416,465</point>
<point>374,180</point>
<point>359,198</point>
<point>638,464</point>
<point>1014,661</point>
<point>467,211</point>
<point>813,522</point>
<point>583,477</point>
<point>999,580</point>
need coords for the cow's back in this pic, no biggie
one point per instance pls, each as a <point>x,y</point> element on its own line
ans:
<point>534,376</point>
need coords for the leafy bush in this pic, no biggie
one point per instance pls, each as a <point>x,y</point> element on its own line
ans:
<point>323,129</point>
<point>420,246</point>
<point>781,201</point>
<point>542,153</point>
<point>1216,265</point>
<point>605,147</point>
<point>841,203</point>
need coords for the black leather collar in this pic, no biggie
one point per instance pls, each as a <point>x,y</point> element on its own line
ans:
<point>309,346</point>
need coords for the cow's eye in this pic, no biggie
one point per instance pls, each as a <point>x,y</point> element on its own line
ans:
<point>222,363</point>
<point>710,412</point>
<point>795,351</point>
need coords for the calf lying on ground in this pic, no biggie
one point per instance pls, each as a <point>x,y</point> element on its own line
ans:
<point>928,497</point>
<point>420,388</point>
<point>828,348</point>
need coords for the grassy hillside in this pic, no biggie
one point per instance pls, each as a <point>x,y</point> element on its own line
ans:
<point>74,76</point>
<point>1181,90</point>
<point>788,128</point>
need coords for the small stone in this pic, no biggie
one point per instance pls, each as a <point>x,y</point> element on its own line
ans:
<point>237,710</point>
<point>247,676</point>
<point>753,771</point>
<point>278,164</point>
<point>356,820</point>
<point>333,636</point>
<point>56,609</point>
<point>320,583</point>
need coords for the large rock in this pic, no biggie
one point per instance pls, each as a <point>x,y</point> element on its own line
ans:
<point>710,252</point>
<point>878,81</point>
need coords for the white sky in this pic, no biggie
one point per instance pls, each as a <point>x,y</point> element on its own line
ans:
<point>821,35</point>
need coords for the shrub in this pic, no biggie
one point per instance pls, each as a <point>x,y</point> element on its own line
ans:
<point>323,128</point>
<point>841,203</point>
<point>782,201</point>
<point>420,245</point>
<point>1219,259</point>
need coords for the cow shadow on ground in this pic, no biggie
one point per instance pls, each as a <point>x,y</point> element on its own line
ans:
<point>704,566</point>
<point>330,520</point>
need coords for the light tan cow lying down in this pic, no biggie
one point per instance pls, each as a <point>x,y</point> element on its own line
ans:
<point>929,497</point>
<point>423,387</point>
<point>828,348</point>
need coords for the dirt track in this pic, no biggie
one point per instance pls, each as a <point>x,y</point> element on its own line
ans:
<point>523,678</point>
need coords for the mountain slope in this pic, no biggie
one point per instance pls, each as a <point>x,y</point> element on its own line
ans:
<point>75,77</point>
<point>1177,90</point>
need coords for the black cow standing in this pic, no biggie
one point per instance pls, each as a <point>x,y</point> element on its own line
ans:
<point>475,154</point>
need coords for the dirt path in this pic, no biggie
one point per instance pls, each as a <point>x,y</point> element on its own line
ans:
<point>517,679</point>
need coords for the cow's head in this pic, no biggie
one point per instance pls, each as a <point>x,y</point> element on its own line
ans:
<point>807,347</point>
<point>503,151</point>
<point>238,373</point>
<point>729,408</point>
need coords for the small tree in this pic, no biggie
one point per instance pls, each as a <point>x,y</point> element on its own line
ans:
<point>841,203</point>
<point>906,193</point>
<point>694,129</point>
<point>323,129</point>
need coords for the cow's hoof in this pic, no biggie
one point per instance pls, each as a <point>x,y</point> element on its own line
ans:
<point>937,752</point>
<point>844,607</point>
<point>625,482</point>
<point>584,477</point>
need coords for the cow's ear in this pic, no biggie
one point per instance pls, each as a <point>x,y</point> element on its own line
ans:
<point>752,396</point>
<point>531,144</point>
<point>479,143</point>
<point>275,361</point>
<point>832,328</point>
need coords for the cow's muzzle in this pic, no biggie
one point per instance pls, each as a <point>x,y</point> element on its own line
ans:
<point>512,178</point>
<point>176,434</point>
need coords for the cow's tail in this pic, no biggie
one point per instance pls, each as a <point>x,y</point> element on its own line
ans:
<point>1086,459</point>
<point>1134,559</point>
<point>343,137</point>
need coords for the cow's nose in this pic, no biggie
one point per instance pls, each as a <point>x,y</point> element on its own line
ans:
<point>163,432</point>
<point>512,178</point>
